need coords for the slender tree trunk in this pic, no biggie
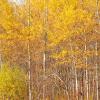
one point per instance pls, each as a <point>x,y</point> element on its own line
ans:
<point>45,43</point>
<point>74,69</point>
<point>44,69</point>
<point>76,83</point>
<point>96,53</point>
<point>82,84</point>
<point>29,55</point>
<point>89,85</point>
<point>86,71</point>
<point>87,94</point>
<point>29,71</point>
<point>93,84</point>
<point>72,87</point>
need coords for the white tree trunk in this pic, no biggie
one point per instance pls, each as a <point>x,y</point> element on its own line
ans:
<point>45,43</point>
<point>44,69</point>
<point>96,53</point>
<point>29,56</point>
<point>29,71</point>
<point>86,72</point>
<point>74,69</point>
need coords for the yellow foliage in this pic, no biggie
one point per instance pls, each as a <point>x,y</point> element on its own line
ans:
<point>12,82</point>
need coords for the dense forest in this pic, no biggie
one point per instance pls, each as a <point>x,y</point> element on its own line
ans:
<point>49,50</point>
